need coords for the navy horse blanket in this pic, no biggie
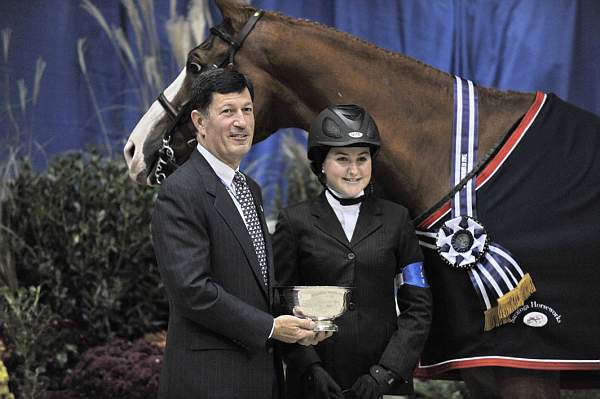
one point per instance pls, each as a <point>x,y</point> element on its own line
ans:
<point>539,197</point>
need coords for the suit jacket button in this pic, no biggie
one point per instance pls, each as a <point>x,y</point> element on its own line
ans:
<point>351,255</point>
<point>270,350</point>
<point>351,306</point>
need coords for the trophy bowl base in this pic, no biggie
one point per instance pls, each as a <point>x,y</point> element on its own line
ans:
<point>325,325</point>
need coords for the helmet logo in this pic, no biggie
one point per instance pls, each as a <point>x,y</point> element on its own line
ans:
<point>355,135</point>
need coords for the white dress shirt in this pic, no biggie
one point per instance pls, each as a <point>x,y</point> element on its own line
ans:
<point>225,173</point>
<point>346,214</point>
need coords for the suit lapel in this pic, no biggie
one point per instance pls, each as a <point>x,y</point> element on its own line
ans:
<point>369,220</point>
<point>327,221</point>
<point>226,208</point>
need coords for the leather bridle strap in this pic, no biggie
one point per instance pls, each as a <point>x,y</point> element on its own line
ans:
<point>166,162</point>
<point>166,104</point>
<point>236,43</point>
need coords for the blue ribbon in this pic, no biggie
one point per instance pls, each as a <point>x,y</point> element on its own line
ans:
<point>414,274</point>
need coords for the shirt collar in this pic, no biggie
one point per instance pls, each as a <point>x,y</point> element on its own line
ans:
<point>336,204</point>
<point>223,171</point>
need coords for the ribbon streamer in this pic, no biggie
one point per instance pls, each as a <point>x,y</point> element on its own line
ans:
<point>463,241</point>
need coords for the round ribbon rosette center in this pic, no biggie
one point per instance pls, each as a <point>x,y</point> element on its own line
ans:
<point>461,242</point>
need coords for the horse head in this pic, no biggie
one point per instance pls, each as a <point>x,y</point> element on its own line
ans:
<point>164,137</point>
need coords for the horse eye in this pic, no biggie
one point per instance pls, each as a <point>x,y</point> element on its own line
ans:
<point>194,67</point>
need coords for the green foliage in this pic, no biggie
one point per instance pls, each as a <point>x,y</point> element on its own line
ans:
<point>25,323</point>
<point>580,394</point>
<point>81,231</point>
<point>438,389</point>
<point>4,378</point>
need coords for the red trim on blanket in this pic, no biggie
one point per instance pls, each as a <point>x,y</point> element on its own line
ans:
<point>512,141</point>
<point>434,217</point>
<point>535,364</point>
<point>495,163</point>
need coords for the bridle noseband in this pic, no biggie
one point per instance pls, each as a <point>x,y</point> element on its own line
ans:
<point>166,163</point>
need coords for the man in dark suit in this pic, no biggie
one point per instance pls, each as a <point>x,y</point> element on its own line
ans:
<point>215,258</point>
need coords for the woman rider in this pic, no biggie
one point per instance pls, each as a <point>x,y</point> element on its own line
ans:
<point>349,237</point>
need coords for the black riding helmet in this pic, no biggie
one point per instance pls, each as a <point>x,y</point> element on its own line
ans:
<point>341,126</point>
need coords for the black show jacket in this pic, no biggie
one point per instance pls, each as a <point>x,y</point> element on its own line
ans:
<point>310,248</point>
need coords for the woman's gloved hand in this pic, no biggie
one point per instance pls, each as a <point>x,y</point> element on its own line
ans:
<point>318,384</point>
<point>375,384</point>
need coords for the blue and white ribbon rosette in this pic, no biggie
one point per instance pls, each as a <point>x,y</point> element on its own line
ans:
<point>461,242</point>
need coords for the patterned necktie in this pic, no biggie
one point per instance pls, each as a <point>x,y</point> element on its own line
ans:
<point>244,196</point>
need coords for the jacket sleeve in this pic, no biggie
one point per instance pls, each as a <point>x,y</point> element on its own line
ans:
<point>414,320</point>
<point>182,246</point>
<point>287,274</point>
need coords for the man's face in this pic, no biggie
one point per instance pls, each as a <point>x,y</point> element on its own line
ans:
<point>227,129</point>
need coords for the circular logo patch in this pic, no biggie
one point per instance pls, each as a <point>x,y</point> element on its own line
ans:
<point>535,319</point>
<point>461,242</point>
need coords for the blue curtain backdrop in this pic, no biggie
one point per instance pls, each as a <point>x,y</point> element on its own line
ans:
<point>547,45</point>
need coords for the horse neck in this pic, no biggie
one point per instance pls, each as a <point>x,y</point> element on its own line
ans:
<point>313,66</point>
<point>412,103</point>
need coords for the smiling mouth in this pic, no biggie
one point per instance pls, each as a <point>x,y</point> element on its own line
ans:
<point>239,136</point>
<point>352,180</point>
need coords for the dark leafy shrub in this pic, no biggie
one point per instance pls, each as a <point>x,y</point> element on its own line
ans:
<point>80,230</point>
<point>119,369</point>
<point>24,323</point>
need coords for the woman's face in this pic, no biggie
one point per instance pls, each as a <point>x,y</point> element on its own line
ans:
<point>348,169</point>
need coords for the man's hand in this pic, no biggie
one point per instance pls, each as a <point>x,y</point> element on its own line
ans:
<point>291,329</point>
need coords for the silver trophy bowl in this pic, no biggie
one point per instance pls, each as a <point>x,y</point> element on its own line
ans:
<point>320,303</point>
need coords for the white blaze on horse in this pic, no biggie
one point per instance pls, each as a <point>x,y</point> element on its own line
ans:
<point>153,120</point>
<point>533,178</point>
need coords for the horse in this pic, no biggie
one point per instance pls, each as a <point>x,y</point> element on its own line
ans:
<point>298,67</point>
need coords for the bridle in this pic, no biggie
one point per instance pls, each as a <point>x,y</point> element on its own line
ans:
<point>166,163</point>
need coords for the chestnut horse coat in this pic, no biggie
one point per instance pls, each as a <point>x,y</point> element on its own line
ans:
<point>219,309</point>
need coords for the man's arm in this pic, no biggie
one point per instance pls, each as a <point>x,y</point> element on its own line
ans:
<point>182,249</point>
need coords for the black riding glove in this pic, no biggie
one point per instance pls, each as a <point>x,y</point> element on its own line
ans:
<point>375,384</point>
<point>318,384</point>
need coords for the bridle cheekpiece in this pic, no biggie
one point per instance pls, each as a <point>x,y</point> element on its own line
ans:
<point>167,163</point>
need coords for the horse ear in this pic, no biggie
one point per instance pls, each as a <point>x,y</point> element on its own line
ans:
<point>232,10</point>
